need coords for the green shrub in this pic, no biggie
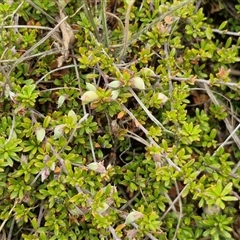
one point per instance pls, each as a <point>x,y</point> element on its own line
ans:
<point>115,121</point>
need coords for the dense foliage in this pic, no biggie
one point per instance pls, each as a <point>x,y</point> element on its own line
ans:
<point>119,119</point>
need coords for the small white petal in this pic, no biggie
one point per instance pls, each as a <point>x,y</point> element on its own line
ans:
<point>133,216</point>
<point>138,83</point>
<point>162,97</point>
<point>40,134</point>
<point>147,72</point>
<point>61,100</point>
<point>58,131</point>
<point>114,84</point>
<point>89,96</point>
<point>115,94</point>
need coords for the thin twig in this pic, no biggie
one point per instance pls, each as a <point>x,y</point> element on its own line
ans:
<point>129,202</point>
<point>204,81</point>
<point>236,168</point>
<point>28,26</point>
<point>11,230</point>
<point>136,137</point>
<point>42,54</point>
<point>148,112</point>
<point>41,212</point>
<point>36,178</point>
<point>114,235</point>
<point>180,211</point>
<point>58,88</point>
<point>76,68</point>
<point>230,136</point>
<point>175,200</point>
<point>170,201</point>
<point>9,214</point>
<point>52,71</point>
<point>225,32</point>
<point>229,127</point>
<point>83,106</point>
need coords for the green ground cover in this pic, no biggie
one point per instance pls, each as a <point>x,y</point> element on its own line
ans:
<point>119,119</point>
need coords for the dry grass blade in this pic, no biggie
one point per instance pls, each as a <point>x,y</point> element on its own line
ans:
<point>67,37</point>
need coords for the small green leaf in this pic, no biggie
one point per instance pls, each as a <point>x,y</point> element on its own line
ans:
<point>186,191</point>
<point>73,115</point>
<point>130,2</point>
<point>227,189</point>
<point>213,133</point>
<point>13,194</point>
<point>46,121</point>
<point>91,76</point>
<point>229,198</point>
<point>223,25</point>
<point>218,188</point>
<point>220,203</point>
<point>68,166</point>
<point>102,209</point>
<point>208,32</point>
<point>62,3</point>
<point>34,223</point>
<point>228,42</point>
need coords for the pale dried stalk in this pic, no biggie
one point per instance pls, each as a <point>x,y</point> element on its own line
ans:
<point>126,29</point>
